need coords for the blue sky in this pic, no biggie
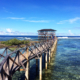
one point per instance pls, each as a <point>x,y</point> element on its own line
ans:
<point>26,17</point>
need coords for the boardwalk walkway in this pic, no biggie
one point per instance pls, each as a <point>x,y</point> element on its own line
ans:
<point>20,58</point>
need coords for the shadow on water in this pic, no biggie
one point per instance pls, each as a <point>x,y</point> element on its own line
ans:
<point>46,74</point>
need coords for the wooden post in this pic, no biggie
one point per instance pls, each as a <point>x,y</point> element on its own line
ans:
<point>27,66</point>
<point>49,55</point>
<point>7,69</point>
<point>51,52</point>
<point>9,78</point>
<point>46,61</point>
<point>53,47</point>
<point>40,68</point>
<point>36,65</point>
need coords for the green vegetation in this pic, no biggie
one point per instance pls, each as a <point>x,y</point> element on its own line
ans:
<point>15,42</point>
<point>12,49</point>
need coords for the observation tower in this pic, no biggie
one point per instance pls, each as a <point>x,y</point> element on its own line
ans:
<point>46,34</point>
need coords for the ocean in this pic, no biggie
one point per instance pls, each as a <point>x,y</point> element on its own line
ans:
<point>8,37</point>
<point>64,65</point>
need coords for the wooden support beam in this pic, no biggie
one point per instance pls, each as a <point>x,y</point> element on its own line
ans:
<point>42,47</point>
<point>32,52</point>
<point>46,61</point>
<point>6,76</point>
<point>22,65</point>
<point>14,61</point>
<point>38,49</point>
<point>49,55</point>
<point>53,47</point>
<point>2,55</point>
<point>23,55</point>
<point>27,66</point>
<point>27,71</point>
<point>40,68</point>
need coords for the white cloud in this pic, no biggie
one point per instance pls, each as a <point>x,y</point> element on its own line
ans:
<point>62,22</point>
<point>23,19</point>
<point>9,30</point>
<point>74,19</point>
<point>15,18</point>
<point>2,33</point>
<point>71,34</point>
<point>37,21</point>
<point>70,20</point>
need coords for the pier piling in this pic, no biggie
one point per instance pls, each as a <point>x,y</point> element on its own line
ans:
<point>49,55</point>
<point>40,68</point>
<point>27,66</point>
<point>46,61</point>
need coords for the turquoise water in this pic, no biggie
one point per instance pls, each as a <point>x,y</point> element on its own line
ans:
<point>66,64</point>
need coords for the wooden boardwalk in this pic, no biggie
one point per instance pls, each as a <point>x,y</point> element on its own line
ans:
<point>20,58</point>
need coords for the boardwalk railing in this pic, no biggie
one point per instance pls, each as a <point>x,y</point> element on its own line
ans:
<point>11,61</point>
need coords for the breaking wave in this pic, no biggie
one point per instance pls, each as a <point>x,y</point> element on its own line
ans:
<point>62,37</point>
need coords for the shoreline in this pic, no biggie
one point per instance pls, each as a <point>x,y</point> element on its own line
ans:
<point>2,45</point>
<point>15,46</point>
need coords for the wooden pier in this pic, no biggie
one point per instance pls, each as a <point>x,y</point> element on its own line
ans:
<point>10,64</point>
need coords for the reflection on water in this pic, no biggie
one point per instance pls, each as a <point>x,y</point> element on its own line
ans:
<point>46,74</point>
<point>65,63</point>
